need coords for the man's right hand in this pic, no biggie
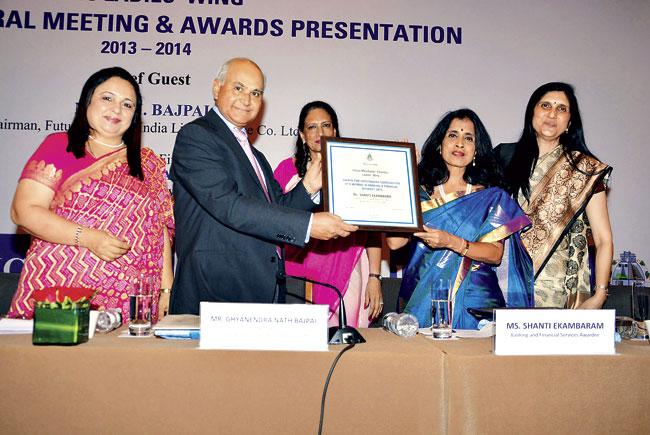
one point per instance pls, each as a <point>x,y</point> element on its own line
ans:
<point>326,226</point>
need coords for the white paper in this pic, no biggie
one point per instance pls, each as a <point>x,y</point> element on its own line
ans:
<point>486,331</point>
<point>16,326</point>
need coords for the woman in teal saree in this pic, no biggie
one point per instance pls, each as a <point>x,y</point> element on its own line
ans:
<point>472,228</point>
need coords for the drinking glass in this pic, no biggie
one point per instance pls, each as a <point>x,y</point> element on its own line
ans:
<point>140,306</point>
<point>440,309</point>
<point>642,306</point>
<point>642,309</point>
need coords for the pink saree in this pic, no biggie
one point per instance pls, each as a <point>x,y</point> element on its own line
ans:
<point>332,262</point>
<point>99,194</point>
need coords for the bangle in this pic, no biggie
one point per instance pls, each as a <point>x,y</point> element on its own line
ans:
<point>462,254</point>
<point>375,275</point>
<point>165,290</point>
<point>309,192</point>
<point>77,234</point>
<point>604,288</point>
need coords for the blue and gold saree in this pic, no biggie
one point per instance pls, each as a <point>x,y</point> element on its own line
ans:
<point>488,215</point>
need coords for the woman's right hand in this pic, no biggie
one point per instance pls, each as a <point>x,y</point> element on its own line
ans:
<point>435,239</point>
<point>313,179</point>
<point>103,244</point>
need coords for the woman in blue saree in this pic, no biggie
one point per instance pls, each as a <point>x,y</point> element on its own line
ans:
<point>472,228</point>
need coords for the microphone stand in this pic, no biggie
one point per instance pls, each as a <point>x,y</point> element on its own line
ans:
<point>343,334</point>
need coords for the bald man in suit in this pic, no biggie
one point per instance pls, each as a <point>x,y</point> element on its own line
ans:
<point>232,218</point>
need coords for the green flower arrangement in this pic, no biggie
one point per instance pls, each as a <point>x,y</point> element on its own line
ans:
<point>67,304</point>
<point>61,315</point>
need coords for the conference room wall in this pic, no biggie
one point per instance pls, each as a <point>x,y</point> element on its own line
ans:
<point>492,57</point>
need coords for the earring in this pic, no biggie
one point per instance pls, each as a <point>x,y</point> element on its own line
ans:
<point>474,160</point>
<point>567,130</point>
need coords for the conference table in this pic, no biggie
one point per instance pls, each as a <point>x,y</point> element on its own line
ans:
<point>387,385</point>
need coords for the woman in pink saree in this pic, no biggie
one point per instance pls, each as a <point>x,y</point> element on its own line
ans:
<point>351,264</point>
<point>96,204</point>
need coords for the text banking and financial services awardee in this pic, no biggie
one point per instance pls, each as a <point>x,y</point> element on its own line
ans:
<point>371,183</point>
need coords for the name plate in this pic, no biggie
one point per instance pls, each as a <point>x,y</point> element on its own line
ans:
<point>554,332</point>
<point>263,326</point>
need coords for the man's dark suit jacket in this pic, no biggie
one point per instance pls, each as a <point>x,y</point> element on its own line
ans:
<point>227,232</point>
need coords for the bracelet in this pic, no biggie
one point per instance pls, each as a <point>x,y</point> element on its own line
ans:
<point>604,288</point>
<point>165,290</point>
<point>77,234</point>
<point>466,249</point>
<point>309,192</point>
<point>375,275</point>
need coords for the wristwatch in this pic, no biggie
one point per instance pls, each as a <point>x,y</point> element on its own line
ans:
<point>375,275</point>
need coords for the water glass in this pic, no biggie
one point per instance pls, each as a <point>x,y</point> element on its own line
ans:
<point>440,309</point>
<point>140,307</point>
<point>642,307</point>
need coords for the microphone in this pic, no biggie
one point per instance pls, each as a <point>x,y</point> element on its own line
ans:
<point>343,334</point>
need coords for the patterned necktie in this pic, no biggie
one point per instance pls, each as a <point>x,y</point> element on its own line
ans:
<point>242,138</point>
